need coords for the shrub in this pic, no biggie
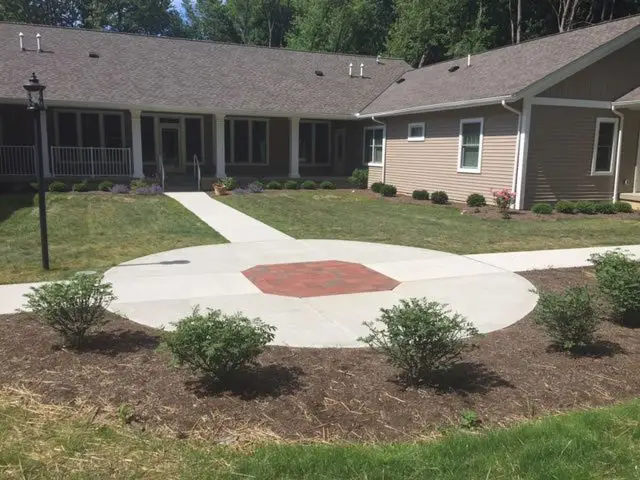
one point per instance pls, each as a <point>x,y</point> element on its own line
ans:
<point>419,337</point>
<point>542,209</point>
<point>388,190</point>
<point>155,189</point>
<point>420,195</point>
<point>216,344</point>
<point>83,186</point>
<point>565,206</point>
<point>469,418</point>
<point>72,308</point>
<point>359,178</point>
<point>58,186</point>
<point>137,183</point>
<point>309,185</point>
<point>439,197</point>
<point>105,186</point>
<point>376,187</point>
<point>273,185</point>
<point>606,208</point>
<point>256,187</point>
<point>586,207</point>
<point>504,198</point>
<point>327,185</point>
<point>618,276</point>
<point>623,207</point>
<point>120,188</point>
<point>291,185</point>
<point>229,183</point>
<point>568,317</point>
<point>476,200</point>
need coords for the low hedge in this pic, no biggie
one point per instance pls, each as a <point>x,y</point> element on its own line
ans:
<point>542,209</point>
<point>388,190</point>
<point>586,207</point>
<point>623,207</point>
<point>327,185</point>
<point>564,206</point>
<point>273,185</point>
<point>440,197</point>
<point>476,200</point>
<point>58,186</point>
<point>291,185</point>
<point>376,187</point>
<point>606,208</point>
<point>309,185</point>
<point>420,195</point>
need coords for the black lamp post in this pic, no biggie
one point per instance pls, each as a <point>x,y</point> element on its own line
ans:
<point>35,104</point>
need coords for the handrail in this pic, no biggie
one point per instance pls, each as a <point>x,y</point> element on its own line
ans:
<point>196,172</point>
<point>161,166</point>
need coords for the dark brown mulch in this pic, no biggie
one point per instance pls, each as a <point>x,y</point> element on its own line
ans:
<point>349,394</point>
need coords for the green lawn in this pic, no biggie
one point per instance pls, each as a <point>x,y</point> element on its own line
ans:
<point>91,232</point>
<point>355,216</point>
<point>44,442</point>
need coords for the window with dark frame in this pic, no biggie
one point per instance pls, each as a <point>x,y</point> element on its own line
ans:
<point>246,141</point>
<point>604,148</point>
<point>314,145</point>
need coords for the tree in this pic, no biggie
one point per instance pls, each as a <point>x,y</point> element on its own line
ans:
<point>565,13</point>
<point>151,17</point>
<point>210,20</point>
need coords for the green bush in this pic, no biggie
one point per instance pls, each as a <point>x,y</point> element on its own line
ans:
<point>72,308</point>
<point>565,206</point>
<point>419,337</point>
<point>138,183</point>
<point>327,185</point>
<point>105,186</point>
<point>606,208</point>
<point>542,209</point>
<point>359,178</point>
<point>585,206</point>
<point>440,197</point>
<point>623,207</point>
<point>58,186</point>
<point>83,186</point>
<point>291,185</point>
<point>476,200</point>
<point>376,187</point>
<point>618,276</point>
<point>273,185</point>
<point>216,344</point>
<point>420,195</point>
<point>568,317</point>
<point>388,190</point>
<point>229,183</point>
<point>309,185</point>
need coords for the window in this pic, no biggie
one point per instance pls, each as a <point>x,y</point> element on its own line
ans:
<point>246,141</point>
<point>416,132</point>
<point>604,146</point>
<point>314,143</point>
<point>470,154</point>
<point>193,138</point>
<point>89,129</point>
<point>373,145</point>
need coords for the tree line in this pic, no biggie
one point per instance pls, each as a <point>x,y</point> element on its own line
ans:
<point>420,31</point>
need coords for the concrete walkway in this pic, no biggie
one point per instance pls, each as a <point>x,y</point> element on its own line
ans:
<point>233,225</point>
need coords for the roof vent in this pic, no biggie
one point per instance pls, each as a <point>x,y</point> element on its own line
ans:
<point>319,73</point>
<point>453,68</point>
<point>400,80</point>
<point>21,36</point>
<point>38,37</point>
<point>94,55</point>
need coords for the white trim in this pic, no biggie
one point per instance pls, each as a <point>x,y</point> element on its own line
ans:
<point>313,162</point>
<point>364,145</point>
<point>232,135</point>
<point>523,154</point>
<point>468,121</point>
<point>570,102</point>
<point>79,135</point>
<point>599,121</point>
<point>442,106</point>
<point>616,173</point>
<point>517,149</point>
<point>420,138</point>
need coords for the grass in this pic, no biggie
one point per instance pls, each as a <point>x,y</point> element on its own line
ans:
<point>353,216</point>
<point>91,232</point>
<point>54,442</point>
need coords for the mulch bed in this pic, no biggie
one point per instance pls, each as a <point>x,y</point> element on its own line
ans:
<point>323,394</point>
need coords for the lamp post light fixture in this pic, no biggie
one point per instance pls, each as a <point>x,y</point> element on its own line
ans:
<point>35,104</point>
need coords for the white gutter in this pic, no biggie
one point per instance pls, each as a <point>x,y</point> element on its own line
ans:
<point>384,147</point>
<point>517,156</point>
<point>616,176</point>
<point>442,106</point>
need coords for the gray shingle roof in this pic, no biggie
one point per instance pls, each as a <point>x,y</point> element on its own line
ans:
<point>632,97</point>
<point>496,73</point>
<point>162,72</point>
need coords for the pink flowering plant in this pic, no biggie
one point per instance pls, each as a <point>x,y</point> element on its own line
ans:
<point>504,199</point>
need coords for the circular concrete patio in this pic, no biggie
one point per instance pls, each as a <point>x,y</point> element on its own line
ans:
<point>310,309</point>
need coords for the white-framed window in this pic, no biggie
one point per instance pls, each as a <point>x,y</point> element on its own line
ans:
<point>314,143</point>
<point>373,149</point>
<point>246,141</point>
<point>604,146</point>
<point>470,148</point>
<point>86,128</point>
<point>415,132</point>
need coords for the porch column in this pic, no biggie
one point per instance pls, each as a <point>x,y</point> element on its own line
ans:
<point>136,144</point>
<point>44,137</point>
<point>294,147</point>
<point>220,164</point>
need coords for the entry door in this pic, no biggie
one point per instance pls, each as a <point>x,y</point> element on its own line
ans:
<point>170,148</point>
<point>339,150</point>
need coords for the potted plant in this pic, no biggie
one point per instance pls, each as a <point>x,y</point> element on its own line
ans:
<point>219,189</point>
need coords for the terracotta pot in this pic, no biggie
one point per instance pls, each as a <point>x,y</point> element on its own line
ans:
<point>219,189</point>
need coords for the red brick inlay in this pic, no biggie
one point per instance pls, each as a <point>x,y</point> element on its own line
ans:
<point>316,279</point>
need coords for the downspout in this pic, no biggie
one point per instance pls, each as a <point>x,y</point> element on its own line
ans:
<point>384,148</point>
<point>616,176</point>
<point>517,156</point>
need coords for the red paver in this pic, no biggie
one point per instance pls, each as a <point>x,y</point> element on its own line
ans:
<point>317,279</point>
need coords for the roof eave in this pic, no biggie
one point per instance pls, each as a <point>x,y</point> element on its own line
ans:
<point>627,103</point>
<point>442,106</point>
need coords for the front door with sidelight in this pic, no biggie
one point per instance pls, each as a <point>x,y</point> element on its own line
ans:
<point>170,147</point>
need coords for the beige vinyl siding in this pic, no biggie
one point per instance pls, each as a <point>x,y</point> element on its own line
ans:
<point>433,163</point>
<point>560,156</point>
<point>375,175</point>
<point>607,79</point>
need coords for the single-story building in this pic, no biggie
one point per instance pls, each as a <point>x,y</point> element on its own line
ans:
<point>553,118</point>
